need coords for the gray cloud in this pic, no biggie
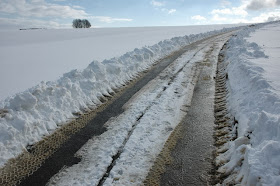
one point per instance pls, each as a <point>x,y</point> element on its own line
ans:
<point>262,4</point>
<point>275,18</point>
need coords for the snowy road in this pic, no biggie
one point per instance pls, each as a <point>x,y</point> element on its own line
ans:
<point>124,154</point>
<point>193,154</point>
<point>138,123</point>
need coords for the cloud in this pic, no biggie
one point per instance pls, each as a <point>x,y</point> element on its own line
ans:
<point>198,18</point>
<point>262,4</point>
<point>228,20</point>
<point>168,11</point>
<point>171,11</point>
<point>29,23</point>
<point>39,9</point>
<point>239,14</point>
<point>107,19</point>
<point>36,13</point>
<point>161,6</point>
<point>78,7</point>
<point>222,11</point>
<point>237,11</point>
<point>219,19</point>
<point>225,3</point>
<point>264,17</point>
<point>157,3</point>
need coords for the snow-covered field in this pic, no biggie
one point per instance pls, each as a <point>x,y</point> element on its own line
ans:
<point>31,56</point>
<point>38,111</point>
<point>254,72</point>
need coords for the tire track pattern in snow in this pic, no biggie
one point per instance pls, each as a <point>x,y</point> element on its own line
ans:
<point>188,161</point>
<point>195,70</point>
<point>225,123</point>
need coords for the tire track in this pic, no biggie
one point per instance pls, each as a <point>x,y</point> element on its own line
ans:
<point>171,142</point>
<point>195,70</point>
<point>186,156</point>
<point>225,123</point>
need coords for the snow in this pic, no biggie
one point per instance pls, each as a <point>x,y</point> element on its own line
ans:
<point>28,57</point>
<point>254,100</point>
<point>28,116</point>
<point>31,56</point>
<point>270,46</point>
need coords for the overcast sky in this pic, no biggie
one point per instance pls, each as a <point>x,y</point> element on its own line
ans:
<point>133,13</point>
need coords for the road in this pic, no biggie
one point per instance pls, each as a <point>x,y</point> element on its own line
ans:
<point>120,144</point>
<point>193,154</point>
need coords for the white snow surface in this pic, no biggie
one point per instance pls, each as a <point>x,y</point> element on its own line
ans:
<point>39,110</point>
<point>31,56</point>
<point>254,71</point>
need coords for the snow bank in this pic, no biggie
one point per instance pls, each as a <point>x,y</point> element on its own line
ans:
<point>254,156</point>
<point>38,111</point>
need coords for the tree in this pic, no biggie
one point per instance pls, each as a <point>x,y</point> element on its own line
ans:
<point>86,23</point>
<point>78,23</point>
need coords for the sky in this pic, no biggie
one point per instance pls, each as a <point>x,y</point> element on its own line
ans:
<point>134,13</point>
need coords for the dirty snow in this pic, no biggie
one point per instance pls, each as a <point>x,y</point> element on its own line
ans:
<point>254,100</point>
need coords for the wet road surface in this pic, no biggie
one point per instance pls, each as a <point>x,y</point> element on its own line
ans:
<point>192,156</point>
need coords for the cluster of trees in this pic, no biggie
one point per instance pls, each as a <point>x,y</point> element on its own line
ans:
<point>81,23</point>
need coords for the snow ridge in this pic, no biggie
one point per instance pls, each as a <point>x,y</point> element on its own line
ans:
<point>256,107</point>
<point>28,116</point>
